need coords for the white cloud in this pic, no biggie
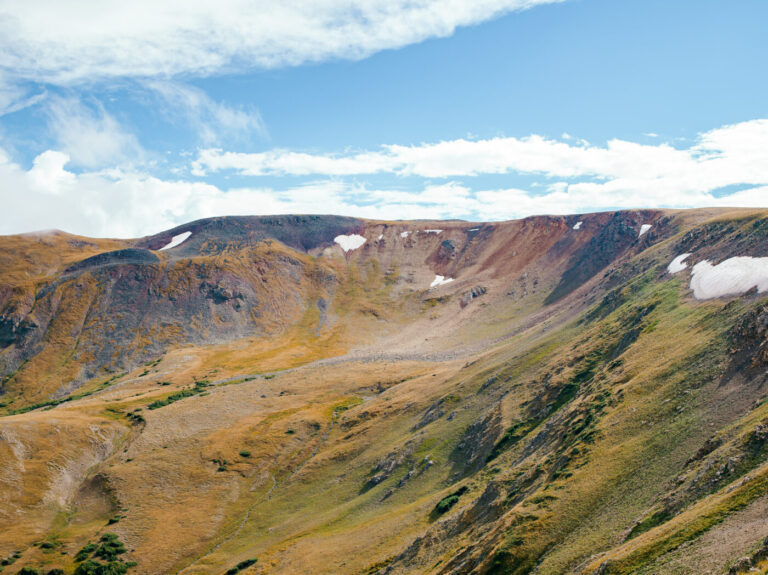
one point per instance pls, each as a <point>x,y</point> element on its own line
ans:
<point>72,42</point>
<point>14,97</point>
<point>126,202</point>
<point>731,155</point>
<point>212,120</point>
<point>129,204</point>
<point>89,135</point>
<point>48,174</point>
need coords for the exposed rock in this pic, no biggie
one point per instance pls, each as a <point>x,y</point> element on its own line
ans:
<point>13,330</point>
<point>472,451</point>
<point>475,292</point>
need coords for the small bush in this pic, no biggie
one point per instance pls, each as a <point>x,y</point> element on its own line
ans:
<point>241,566</point>
<point>29,571</point>
<point>85,552</point>
<point>245,453</point>
<point>447,502</point>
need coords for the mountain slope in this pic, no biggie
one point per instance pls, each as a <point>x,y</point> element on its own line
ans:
<point>559,403</point>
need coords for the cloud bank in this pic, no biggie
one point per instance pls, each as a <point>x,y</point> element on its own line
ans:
<point>727,166</point>
<point>730,155</point>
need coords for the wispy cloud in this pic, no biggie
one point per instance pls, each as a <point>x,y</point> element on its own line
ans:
<point>90,136</point>
<point>65,42</point>
<point>15,97</point>
<point>212,120</point>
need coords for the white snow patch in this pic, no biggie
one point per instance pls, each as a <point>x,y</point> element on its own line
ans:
<point>433,231</point>
<point>349,242</point>
<point>404,234</point>
<point>677,264</point>
<point>381,236</point>
<point>176,241</point>
<point>644,229</point>
<point>577,226</point>
<point>474,229</point>
<point>439,281</point>
<point>731,277</point>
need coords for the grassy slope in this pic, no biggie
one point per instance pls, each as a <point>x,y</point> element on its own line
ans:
<point>603,414</point>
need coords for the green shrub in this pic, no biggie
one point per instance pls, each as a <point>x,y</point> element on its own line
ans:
<point>29,571</point>
<point>186,392</point>
<point>110,547</point>
<point>449,501</point>
<point>245,453</point>
<point>85,552</point>
<point>445,504</point>
<point>241,566</point>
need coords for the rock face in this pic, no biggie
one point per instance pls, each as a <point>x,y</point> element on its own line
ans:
<point>614,238</point>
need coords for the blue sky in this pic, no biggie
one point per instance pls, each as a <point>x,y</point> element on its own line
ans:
<point>136,118</point>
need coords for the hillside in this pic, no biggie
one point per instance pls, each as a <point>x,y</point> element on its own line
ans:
<point>580,394</point>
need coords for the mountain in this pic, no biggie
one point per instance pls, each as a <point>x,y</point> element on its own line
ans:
<point>321,394</point>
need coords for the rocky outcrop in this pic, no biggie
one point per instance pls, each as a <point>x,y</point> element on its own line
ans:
<point>468,296</point>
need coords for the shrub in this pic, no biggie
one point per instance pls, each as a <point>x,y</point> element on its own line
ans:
<point>245,453</point>
<point>29,571</point>
<point>240,566</point>
<point>85,552</point>
<point>110,547</point>
<point>447,502</point>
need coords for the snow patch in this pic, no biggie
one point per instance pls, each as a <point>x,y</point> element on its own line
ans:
<point>381,236</point>
<point>349,242</point>
<point>677,264</point>
<point>404,234</point>
<point>439,281</point>
<point>433,231</point>
<point>176,241</point>
<point>644,229</point>
<point>474,230</point>
<point>577,226</point>
<point>732,277</point>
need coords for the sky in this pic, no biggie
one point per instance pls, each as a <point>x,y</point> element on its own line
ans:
<point>122,119</point>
